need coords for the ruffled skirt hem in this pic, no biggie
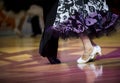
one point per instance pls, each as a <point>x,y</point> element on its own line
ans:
<point>94,25</point>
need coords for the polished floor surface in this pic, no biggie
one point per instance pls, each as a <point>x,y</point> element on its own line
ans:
<point>20,61</point>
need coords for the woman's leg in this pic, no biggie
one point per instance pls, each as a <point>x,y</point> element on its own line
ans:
<point>93,43</point>
<point>91,50</point>
<point>88,47</point>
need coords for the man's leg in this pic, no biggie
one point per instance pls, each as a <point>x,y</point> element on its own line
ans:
<point>49,40</point>
<point>49,47</point>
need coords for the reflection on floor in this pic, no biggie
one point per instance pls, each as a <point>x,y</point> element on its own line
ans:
<point>20,62</point>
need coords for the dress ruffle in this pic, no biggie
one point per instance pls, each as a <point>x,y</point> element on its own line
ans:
<point>92,18</point>
<point>94,24</point>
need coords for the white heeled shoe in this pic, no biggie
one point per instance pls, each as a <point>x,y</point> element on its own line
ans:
<point>80,60</point>
<point>98,52</point>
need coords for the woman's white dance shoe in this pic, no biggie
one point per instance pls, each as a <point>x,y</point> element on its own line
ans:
<point>96,51</point>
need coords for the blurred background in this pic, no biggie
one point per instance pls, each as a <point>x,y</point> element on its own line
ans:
<point>17,17</point>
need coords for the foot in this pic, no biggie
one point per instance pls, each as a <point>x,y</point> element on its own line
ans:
<point>87,55</point>
<point>53,60</point>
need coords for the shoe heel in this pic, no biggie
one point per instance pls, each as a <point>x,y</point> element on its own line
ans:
<point>99,53</point>
<point>98,50</point>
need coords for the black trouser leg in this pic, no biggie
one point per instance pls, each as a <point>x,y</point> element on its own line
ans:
<point>52,51</point>
<point>49,47</point>
<point>49,43</point>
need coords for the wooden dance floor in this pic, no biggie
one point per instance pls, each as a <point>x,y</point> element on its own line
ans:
<point>20,62</point>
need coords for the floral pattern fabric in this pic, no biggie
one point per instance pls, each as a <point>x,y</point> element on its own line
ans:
<point>76,16</point>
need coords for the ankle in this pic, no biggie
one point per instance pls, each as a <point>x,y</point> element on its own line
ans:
<point>87,53</point>
<point>88,49</point>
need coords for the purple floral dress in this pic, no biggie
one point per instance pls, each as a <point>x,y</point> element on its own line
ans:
<point>77,16</point>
